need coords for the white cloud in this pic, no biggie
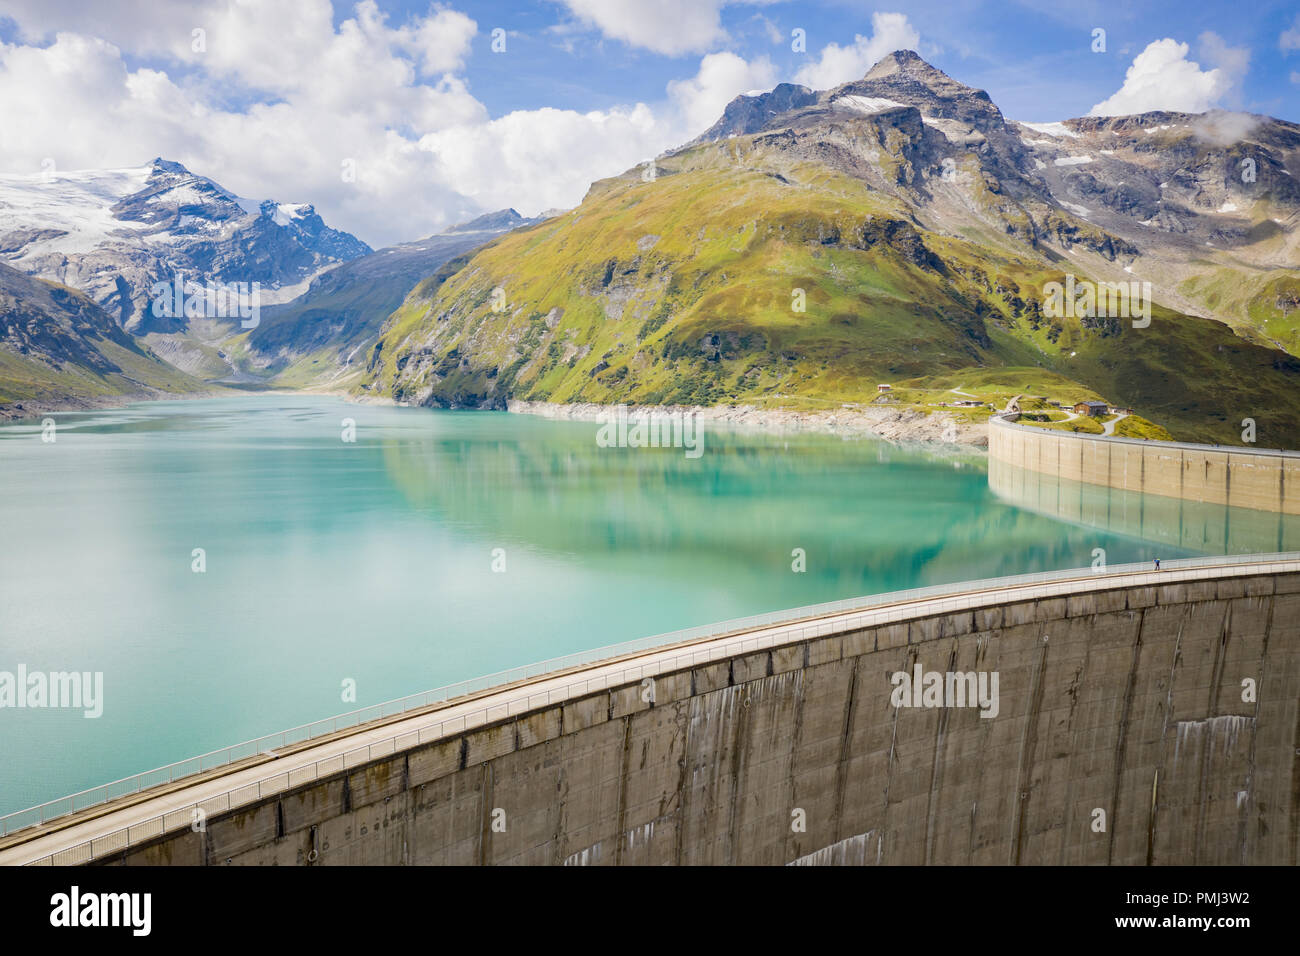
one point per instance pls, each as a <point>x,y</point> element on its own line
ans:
<point>152,28</point>
<point>358,92</point>
<point>1224,128</point>
<point>773,32</point>
<point>536,159</point>
<point>1231,62</point>
<point>671,27</point>
<point>721,77</point>
<point>552,156</point>
<point>386,98</point>
<point>270,44</point>
<point>1162,78</point>
<point>840,64</point>
<point>1290,39</point>
<point>1295,77</point>
<point>441,40</point>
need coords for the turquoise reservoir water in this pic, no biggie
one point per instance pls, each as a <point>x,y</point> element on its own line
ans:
<point>372,561</point>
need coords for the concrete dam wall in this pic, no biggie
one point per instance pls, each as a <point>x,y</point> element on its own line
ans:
<point>1232,477</point>
<point>1196,526</point>
<point>1139,719</point>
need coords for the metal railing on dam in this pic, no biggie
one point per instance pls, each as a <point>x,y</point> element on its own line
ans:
<point>266,745</point>
<point>98,836</point>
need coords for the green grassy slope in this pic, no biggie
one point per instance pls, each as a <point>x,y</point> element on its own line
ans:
<point>680,291</point>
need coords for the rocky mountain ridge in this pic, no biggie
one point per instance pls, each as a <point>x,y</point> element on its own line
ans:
<point>320,337</point>
<point>115,233</point>
<point>58,349</point>
<point>894,229</point>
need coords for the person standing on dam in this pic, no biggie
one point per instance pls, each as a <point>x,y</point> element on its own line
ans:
<point>1157,564</point>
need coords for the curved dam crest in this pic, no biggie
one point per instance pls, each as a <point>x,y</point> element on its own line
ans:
<point>1246,478</point>
<point>1125,735</point>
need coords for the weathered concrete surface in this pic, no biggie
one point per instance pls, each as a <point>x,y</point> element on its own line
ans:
<point>1236,478</point>
<point>1124,736</point>
<point>1193,525</point>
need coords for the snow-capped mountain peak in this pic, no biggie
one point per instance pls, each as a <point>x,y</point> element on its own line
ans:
<point>115,232</point>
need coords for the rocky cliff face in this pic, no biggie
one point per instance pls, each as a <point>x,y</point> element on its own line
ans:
<point>50,323</point>
<point>1164,186</point>
<point>322,336</point>
<point>749,113</point>
<point>57,347</point>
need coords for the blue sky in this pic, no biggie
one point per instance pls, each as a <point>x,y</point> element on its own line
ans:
<point>1034,58</point>
<point>282,94</point>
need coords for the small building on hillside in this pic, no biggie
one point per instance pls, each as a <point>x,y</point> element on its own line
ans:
<point>1092,409</point>
<point>884,388</point>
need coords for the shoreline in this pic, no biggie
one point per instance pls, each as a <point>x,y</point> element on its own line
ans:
<point>32,408</point>
<point>896,425</point>
<point>889,424</point>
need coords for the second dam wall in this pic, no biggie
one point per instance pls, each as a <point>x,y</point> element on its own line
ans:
<point>1194,526</point>
<point>1232,477</point>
